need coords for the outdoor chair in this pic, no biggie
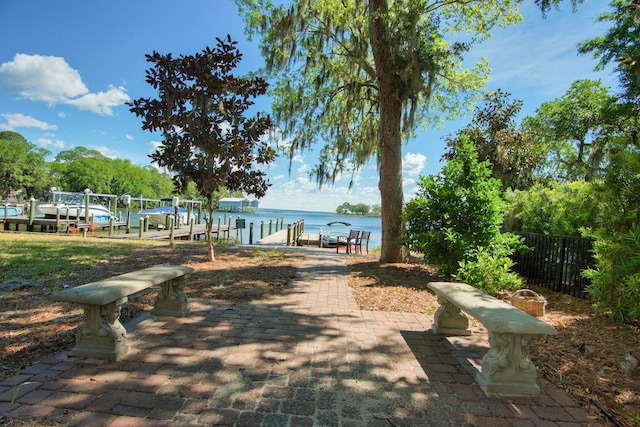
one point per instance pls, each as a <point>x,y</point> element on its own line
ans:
<point>362,240</point>
<point>349,242</point>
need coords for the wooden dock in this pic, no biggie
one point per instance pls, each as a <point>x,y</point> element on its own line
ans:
<point>52,224</point>
<point>195,232</point>
<point>121,230</point>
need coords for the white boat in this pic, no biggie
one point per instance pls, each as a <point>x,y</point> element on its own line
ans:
<point>72,206</point>
<point>336,231</point>
<point>158,216</point>
<point>75,210</point>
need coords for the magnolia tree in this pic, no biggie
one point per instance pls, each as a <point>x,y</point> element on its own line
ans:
<point>200,112</point>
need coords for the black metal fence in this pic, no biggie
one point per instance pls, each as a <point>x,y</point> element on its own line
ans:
<point>556,263</point>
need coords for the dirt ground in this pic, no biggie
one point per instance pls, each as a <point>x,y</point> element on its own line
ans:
<point>591,358</point>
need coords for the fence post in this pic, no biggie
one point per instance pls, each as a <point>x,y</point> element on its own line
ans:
<point>561,266</point>
<point>261,230</point>
<point>288,234</point>
<point>140,227</point>
<point>251,233</point>
<point>296,226</point>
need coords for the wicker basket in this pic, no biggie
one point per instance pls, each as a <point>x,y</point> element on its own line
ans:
<point>529,302</point>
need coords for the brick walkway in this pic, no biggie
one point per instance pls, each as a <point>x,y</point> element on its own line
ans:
<point>307,358</point>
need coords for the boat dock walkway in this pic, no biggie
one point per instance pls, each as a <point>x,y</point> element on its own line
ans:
<point>195,232</point>
<point>281,237</point>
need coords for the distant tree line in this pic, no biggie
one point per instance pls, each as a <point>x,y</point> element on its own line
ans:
<point>25,172</point>
<point>358,209</point>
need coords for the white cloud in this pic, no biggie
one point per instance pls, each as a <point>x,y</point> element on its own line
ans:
<point>102,102</point>
<point>303,169</point>
<point>41,78</point>
<point>408,181</point>
<point>303,194</point>
<point>413,163</point>
<point>129,137</point>
<point>46,142</point>
<point>15,121</point>
<point>154,145</point>
<point>106,151</point>
<point>51,80</point>
<point>411,193</point>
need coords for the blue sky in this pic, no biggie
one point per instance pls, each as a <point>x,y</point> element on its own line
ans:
<point>67,68</point>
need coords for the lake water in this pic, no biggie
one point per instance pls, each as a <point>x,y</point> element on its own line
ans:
<point>313,222</point>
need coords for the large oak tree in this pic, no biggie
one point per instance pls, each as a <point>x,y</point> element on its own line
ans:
<point>360,76</point>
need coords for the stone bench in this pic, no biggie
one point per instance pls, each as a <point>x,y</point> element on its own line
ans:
<point>506,368</point>
<point>101,335</point>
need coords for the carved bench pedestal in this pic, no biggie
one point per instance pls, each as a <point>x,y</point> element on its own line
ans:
<point>101,335</point>
<point>172,301</point>
<point>506,368</point>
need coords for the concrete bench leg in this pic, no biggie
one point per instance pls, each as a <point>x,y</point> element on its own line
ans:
<point>171,300</point>
<point>449,320</point>
<point>506,368</point>
<point>102,336</point>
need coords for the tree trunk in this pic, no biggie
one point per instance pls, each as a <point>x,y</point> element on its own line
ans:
<point>390,183</point>
<point>390,152</point>
<point>210,251</point>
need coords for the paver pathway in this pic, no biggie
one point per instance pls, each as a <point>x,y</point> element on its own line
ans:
<point>307,358</point>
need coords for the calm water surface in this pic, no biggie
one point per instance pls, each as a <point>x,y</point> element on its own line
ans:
<point>313,222</point>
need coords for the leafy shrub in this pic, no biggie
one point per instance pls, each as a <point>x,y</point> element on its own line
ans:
<point>616,277</point>
<point>455,219</point>
<point>557,209</point>
<point>489,268</point>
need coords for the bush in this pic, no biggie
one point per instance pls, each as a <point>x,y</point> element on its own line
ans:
<point>455,219</point>
<point>489,268</point>
<point>558,209</point>
<point>616,277</point>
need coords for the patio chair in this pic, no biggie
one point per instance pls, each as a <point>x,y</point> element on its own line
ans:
<point>349,241</point>
<point>362,240</point>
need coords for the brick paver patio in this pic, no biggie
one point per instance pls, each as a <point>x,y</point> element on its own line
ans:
<point>307,358</point>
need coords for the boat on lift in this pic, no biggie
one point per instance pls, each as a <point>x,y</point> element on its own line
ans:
<point>72,206</point>
<point>159,215</point>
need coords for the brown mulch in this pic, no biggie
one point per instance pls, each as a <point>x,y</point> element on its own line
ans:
<point>587,358</point>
